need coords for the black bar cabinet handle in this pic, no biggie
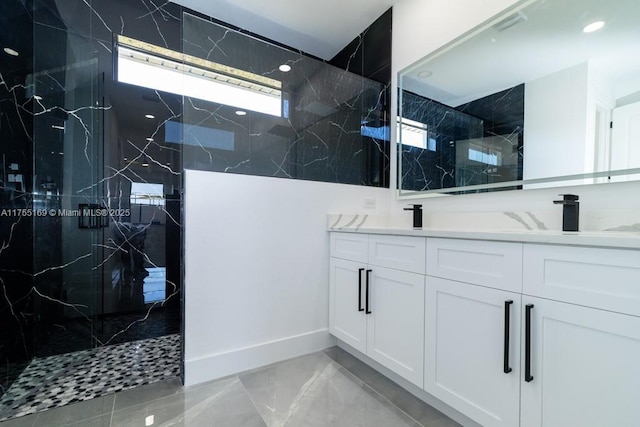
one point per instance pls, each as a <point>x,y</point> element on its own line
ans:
<point>360,270</point>
<point>527,344</point>
<point>507,306</point>
<point>366,294</point>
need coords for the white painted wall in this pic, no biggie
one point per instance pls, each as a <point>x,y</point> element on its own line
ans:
<point>257,268</point>
<point>420,27</point>
<point>560,118</point>
<point>555,123</point>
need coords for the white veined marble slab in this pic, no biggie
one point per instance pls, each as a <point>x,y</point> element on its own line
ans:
<point>619,229</point>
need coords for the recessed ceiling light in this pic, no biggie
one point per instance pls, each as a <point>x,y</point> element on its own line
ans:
<point>149,421</point>
<point>241,113</point>
<point>150,139</point>
<point>285,68</point>
<point>150,116</point>
<point>145,164</point>
<point>57,127</point>
<point>125,159</point>
<point>10,51</point>
<point>425,74</point>
<point>594,26</point>
<point>37,97</point>
<point>61,153</point>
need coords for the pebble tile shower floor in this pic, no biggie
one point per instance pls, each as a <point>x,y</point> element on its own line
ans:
<point>58,380</point>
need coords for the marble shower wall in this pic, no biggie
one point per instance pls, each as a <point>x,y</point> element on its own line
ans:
<point>479,142</point>
<point>317,137</point>
<point>72,134</point>
<point>502,114</point>
<point>435,166</point>
<point>65,138</point>
<point>369,54</point>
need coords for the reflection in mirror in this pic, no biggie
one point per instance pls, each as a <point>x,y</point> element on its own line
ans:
<point>545,94</point>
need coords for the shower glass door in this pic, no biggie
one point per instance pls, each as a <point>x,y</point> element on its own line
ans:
<point>104,168</point>
<point>68,168</point>
<point>92,269</point>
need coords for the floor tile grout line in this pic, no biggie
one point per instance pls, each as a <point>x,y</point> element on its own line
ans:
<point>378,393</point>
<point>386,399</point>
<point>329,359</point>
<point>113,409</point>
<point>253,402</point>
<point>361,380</point>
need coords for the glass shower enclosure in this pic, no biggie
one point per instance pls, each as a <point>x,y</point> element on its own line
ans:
<point>90,204</point>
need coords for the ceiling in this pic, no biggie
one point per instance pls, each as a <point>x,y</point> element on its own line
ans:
<point>320,28</point>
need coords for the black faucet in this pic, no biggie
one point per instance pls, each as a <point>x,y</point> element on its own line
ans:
<point>417,215</point>
<point>570,211</point>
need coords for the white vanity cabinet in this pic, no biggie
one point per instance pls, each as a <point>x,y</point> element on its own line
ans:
<point>584,346</point>
<point>515,334</point>
<point>376,300</point>
<point>573,341</point>
<point>472,331</point>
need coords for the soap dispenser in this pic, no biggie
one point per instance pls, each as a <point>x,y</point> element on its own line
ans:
<point>417,215</point>
<point>570,211</point>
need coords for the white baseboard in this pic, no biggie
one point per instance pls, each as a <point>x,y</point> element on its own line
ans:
<point>220,365</point>
<point>411,388</point>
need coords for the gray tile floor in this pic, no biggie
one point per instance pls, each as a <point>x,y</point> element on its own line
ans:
<point>330,388</point>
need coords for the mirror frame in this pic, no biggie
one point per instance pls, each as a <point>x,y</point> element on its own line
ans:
<point>561,180</point>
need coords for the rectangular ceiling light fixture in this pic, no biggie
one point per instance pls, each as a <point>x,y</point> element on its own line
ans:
<point>155,67</point>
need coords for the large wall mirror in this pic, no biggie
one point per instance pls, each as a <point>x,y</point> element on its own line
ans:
<point>545,94</point>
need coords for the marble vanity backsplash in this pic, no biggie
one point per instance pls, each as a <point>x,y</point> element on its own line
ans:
<point>595,220</point>
<point>357,221</point>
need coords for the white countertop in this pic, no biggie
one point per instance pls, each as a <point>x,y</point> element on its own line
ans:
<point>609,239</point>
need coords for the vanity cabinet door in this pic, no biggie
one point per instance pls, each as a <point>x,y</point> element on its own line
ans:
<point>467,353</point>
<point>395,330</point>
<point>346,299</point>
<point>585,368</point>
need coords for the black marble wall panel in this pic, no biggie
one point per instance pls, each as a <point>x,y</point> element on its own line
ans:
<point>502,114</point>
<point>317,137</point>
<point>479,142</point>
<point>434,167</point>
<point>369,54</point>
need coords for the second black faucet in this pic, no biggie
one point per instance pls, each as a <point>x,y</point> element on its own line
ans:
<point>417,215</point>
<point>570,212</point>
